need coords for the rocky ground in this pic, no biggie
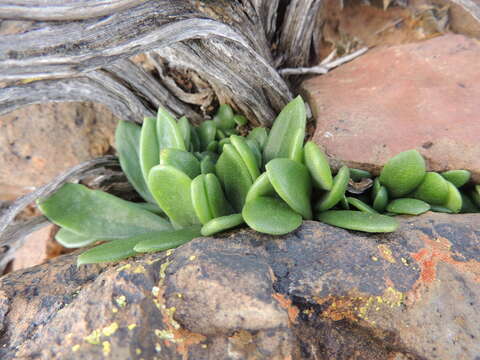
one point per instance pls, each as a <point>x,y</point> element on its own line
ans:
<point>318,293</point>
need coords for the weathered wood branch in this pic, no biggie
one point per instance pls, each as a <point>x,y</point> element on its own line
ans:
<point>62,9</point>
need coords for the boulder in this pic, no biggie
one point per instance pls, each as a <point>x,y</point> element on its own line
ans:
<point>39,142</point>
<point>421,95</point>
<point>319,292</point>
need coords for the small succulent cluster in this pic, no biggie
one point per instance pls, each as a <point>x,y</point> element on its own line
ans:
<point>201,180</point>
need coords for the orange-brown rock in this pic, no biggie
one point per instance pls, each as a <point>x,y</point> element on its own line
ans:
<point>317,293</point>
<point>421,95</point>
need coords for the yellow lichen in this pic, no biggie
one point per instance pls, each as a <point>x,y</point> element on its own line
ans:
<point>193,257</point>
<point>106,348</point>
<point>163,268</point>
<point>139,270</point>
<point>164,334</point>
<point>121,300</point>
<point>138,351</point>
<point>132,326</point>
<point>114,309</point>
<point>155,291</point>
<point>386,253</point>
<point>75,348</point>
<point>124,267</point>
<point>110,330</point>
<point>158,347</point>
<point>93,338</point>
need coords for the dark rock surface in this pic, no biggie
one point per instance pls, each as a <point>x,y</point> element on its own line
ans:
<point>317,293</point>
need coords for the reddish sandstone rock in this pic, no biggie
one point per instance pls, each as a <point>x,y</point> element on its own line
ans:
<point>423,95</point>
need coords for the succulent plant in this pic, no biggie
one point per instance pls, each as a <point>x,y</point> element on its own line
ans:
<point>202,180</point>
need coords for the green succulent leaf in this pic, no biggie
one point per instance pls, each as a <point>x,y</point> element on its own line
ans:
<point>98,214</point>
<point>284,133</point>
<point>246,154</point>
<point>292,183</point>
<point>360,205</point>
<point>194,140</point>
<point>217,201</point>
<point>234,175</point>
<point>111,251</point>
<point>475,195</point>
<point>317,163</point>
<point>171,189</point>
<point>433,189</point>
<point>403,173</point>
<point>185,129</point>
<point>212,146</point>
<point>359,174</point>
<point>222,223</point>
<point>261,187</point>
<point>240,120</point>
<point>153,208</point>
<point>454,199</point>
<point>199,199</point>
<point>182,160</point>
<point>440,209</point>
<point>206,133</point>
<point>71,240</point>
<point>127,142</point>
<point>168,132</point>
<point>207,165</point>
<point>358,220</point>
<point>296,150</point>
<point>270,216</point>
<point>149,152</point>
<point>165,240</point>
<point>260,135</point>
<point>344,203</point>
<point>224,118</point>
<point>457,177</point>
<point>468,205</point>
<point>331,198</point>
<point>408,206</point>
<point>380,198</point>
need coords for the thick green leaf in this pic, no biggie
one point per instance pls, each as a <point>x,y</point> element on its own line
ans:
<point>165,240</point>
<point>224,118</point>
<point>194,140</point>
<point>219,135</point>
<point>171,189</point>
<point>246,154</point>
<point>408,206</point>
<point>149,152</point>
<point>222,223</point>
<point>185,129</point>
<point>454,198</point>
<point>380,198</point>
<point>467,205</point>
<point>98,214</point>
<point>270,216</point>
<point>359,174</point>
<point>261,187</point>
<point>240,120</point>
<point>222,142</point>
<point>206,133</point>
<point>71,240</point>
<point>212,146</point>
<point>256,150</point>
<point>153,208</point>
<point>292,183</point>
<point>182,160</point>
<point>358,220</point>
<point>317,163</point>
<point>331,198</point>
<point>127,142</point>
<point>234,175</point>
<point>111,251</point>
<point>433,189</point>
<point>207,165</point>
<point>283,135</point>
<point>260,135</point>
<point>475,195</point>
<point>217,201</point>
<point>457,177</point>
<point>360,205</point>
<point>168,132</point>
<point>296,149</point>
<point>440,209</point>
<point>403,173</point>
<point>199,199</point>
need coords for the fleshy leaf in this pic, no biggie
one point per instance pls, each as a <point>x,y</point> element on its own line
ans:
<point>270,216</point>
<point>185,129</point>
<point>206,133</point>
<point>317,163</point>
<point>127,142</point>
<point>224,118</point>
<point>199,199</point>
<point>457,177</point>
<point>207,165</point>
<point>408,206</point>
<point>111,251</point>
<point>71,240</point>
<point>234,176</point>
<point>149,152</point>
<point>359,174</point>
<point>403,173</point>
<point>292,183</point>
<point>217,201</point>
<point>358,220</point>
<point>165,240</point>
<point>260,135</point>
<point>433,189</point>
<point>360,205</point>
<point>247,155</point>
<point>222,223</point>
<point>256,150</point>
<point>379,196</point>
<point>182,160</point>
<point>261,187</point>
<point>98,214</point>
<point>168,132</point>
<point>296,149</point>
<point>454,199</point>
<point>331,198</point>
<point>283,134</point>
<point>171,189</point>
